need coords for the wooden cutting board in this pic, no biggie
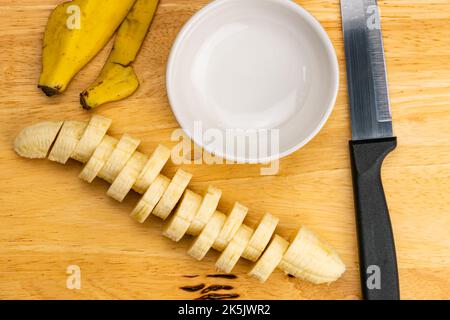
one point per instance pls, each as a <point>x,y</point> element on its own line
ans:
<point>50,220</point>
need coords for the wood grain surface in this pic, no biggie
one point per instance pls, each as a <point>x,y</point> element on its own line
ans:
<point>50,219</point>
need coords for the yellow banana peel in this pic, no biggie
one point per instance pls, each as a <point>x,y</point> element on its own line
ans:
<point>117,80</point>
<point>76,31</point>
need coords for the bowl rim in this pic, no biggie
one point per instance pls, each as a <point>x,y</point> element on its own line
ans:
<point>322,35</point>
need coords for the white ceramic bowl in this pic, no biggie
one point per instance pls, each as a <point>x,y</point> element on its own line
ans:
<point>252,64</point>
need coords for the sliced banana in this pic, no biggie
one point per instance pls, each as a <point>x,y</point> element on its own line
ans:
<point>270,259</point>
<point>152,168</point>
<point>150,198</point>
<point>35,141</point>
<point>68,138</point>
<point>261,237</point>
<point>92,137</point>
<point>231,226</point>
<point>173,194</point>
<point>234,249</point>
<point>98,159</point>
<point>177,226</point>
<point>209,234</point>
<point>127,177</point>
<point>206,210</point>
<point>312,260</point>
<point>306,257</point>
<point>116,162</point>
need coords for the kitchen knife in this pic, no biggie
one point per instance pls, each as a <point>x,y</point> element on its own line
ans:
<point>372,141</point>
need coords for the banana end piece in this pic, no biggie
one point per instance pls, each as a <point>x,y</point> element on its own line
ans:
<point>311,259</point>
<point>34,142</point>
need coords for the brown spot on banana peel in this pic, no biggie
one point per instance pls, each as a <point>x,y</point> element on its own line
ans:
<point>83,98</point>
<point>83,102</point>
<point>50,91</point>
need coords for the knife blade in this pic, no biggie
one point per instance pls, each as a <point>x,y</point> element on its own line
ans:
<point>372,141</point>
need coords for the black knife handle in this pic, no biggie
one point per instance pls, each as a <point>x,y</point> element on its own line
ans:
<point>378,262</point>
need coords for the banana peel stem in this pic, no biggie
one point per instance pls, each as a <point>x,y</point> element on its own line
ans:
<point>50,91</point>
<point>83,96</point>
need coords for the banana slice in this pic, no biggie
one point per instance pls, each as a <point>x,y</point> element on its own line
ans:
<point>150,198</point>
<point>173,194</point>
<point>176,228</point>
<point>92,137</point>
<point>206,210</point>
<point>312,260</point>
<point>127,177</point>
<point>35,141</point>
<point>261,237</point>
<point>209,234</point>
<point>231,226</point>
<point>270,259</point>
<point>67,140</point>
<point>152,168</point>
<point>98,159</point>
<point>116,162</point>
<point>234,249</point>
